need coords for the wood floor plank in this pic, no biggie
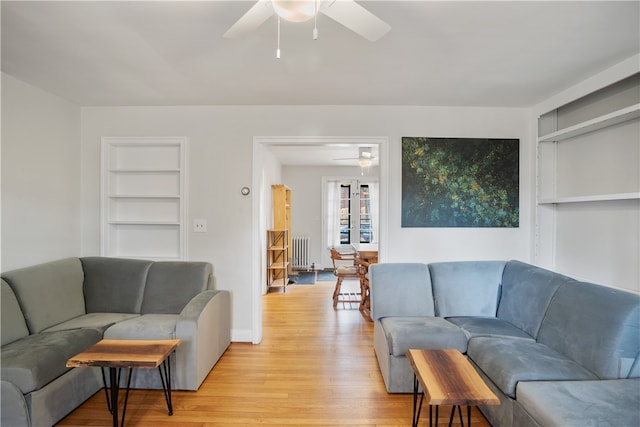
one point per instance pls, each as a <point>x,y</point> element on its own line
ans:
<point>315,367</point>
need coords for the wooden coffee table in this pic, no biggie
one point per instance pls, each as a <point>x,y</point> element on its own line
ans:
<point>118,354</point>
<point>447,378</point>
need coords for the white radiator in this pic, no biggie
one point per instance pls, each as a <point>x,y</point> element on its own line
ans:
<point>300,253</point>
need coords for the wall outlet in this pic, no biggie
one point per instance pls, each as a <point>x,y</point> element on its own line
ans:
<point>200,225</point>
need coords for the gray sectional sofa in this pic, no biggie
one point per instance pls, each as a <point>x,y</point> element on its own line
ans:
<point>556,351</point>
<point>55,310</point>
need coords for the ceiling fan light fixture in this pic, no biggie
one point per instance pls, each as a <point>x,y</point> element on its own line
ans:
<point>364,162</point>
<point>295,10</point>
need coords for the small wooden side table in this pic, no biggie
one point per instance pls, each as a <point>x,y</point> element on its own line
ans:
<point>446,378</point>
<point>118,354</point>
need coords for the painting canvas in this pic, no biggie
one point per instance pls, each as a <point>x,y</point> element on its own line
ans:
<point>460,182</point>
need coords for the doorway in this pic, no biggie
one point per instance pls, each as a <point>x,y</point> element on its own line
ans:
<point>266,172</point>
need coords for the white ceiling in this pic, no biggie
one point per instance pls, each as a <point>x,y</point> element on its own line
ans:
<point>438,53</point>
<point>504,53</point>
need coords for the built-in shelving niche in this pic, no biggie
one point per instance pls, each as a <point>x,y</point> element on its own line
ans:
<point>588,186</point>
<point>143,198</point>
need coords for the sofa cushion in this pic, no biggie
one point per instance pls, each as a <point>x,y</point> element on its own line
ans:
<point>597,326</point>
<point>507,361</point>
<point>404,333</point>
<point>582,403</point>
<point>100,321</point>
<point>114,285</point>
<point>400,289</point>
<point>48,293</point>
<point>171,285</point>
<point>34,361</point>
<point>12,321</point>
<point>526,293</point>
<point>466,288</point>
<point>488,327</point>
<point>145,327</point>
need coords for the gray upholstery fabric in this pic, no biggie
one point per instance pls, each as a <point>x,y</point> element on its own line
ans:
<point>114,289</point>
<point>497,415</point>
<point>50,404</point>
<point>596,326</point>
<point>147,326</point>
<point>396,370</point>
<point>404,333</point>
<point>34,361</point>
<point>549,329</point>
<point>467,288</point>
<point>100,321</point>
<point>614,403</point>
<point>15,412</point>
<point>48,293</point>
<point>202,347</point>
<point>522,418</point>
<point>507,361</point>
<point>12,320</point>
<point>114,285</point>
<point>171,285</point>
<point>526,292</point>
<point>488,327</point>
<point>400,289</point>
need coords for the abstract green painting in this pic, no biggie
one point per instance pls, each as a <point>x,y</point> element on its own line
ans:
<point>460,182</point>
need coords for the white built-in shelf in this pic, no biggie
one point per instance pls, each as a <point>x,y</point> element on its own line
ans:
<point>611,119</point>
<point>594,198</point>
<point>143,197</point>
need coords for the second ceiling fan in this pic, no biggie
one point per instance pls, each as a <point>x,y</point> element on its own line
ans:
<point>346,12</point>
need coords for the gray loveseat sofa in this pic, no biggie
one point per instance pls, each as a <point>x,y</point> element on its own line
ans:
<point>556,351</point>
<point>53,311</point>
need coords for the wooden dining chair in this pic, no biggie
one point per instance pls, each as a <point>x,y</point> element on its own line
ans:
<point>363,270</point>
<point>345,266</point>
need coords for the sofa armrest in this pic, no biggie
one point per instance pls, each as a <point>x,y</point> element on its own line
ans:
<point>400,289</point>
<point>14,406</point>
<point>204,326</point>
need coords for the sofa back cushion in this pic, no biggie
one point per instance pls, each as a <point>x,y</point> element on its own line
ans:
<point>12,321</point>
<point>596,326</point>
<point>466,288</point>
<point>49,293</point>
<point>400,289</point>
<point>526,293</point>
<point>171,285</point>
<point>114,285</point>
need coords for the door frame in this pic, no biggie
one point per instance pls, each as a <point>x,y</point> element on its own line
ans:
<point>260,193</point>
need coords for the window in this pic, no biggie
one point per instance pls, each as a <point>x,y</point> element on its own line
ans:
<point>351,212</point>
<point>355,214</point>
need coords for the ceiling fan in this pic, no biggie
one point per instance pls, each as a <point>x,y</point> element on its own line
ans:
<point>346,12</point>
<point>365,157</point>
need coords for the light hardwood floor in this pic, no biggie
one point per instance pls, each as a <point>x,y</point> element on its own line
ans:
<point>315,367</point>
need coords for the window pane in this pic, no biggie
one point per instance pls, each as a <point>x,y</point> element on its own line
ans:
<point>366,232</point>
<point>345,214</point>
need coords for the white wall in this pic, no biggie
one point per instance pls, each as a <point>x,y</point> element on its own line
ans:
<point>444,244</point>
<point>40,176</point>
<point>220,161</point>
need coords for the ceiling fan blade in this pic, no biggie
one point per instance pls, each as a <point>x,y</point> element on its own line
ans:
<point>357,19</point>
<point>365,153</point>
<point>256,16</point>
